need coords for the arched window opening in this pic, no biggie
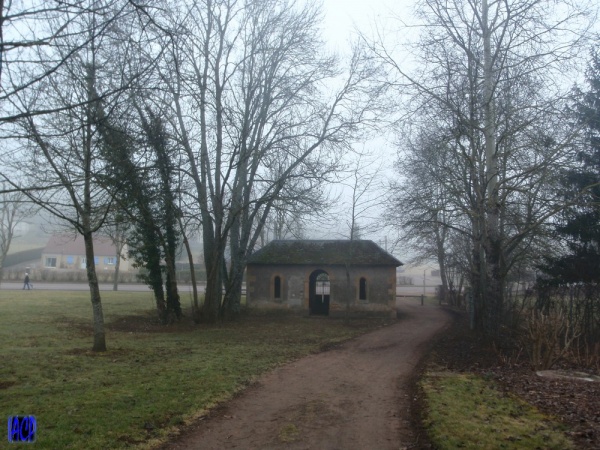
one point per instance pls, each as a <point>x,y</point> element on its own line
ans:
<point>277,287</point>
<point>322,286</point>
<point>318,293</point>
<point>362,289</point>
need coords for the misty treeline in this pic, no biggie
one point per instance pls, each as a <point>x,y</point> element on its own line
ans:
<point>154,121</point>
<point>492,138</point>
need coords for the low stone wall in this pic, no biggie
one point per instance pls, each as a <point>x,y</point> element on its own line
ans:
<point>335,309</point>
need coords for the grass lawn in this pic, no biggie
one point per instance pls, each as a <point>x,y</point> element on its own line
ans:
<point>466,411</point>
<point>151,380</point>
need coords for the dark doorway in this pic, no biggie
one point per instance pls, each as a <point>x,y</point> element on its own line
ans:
<point>319,292</point>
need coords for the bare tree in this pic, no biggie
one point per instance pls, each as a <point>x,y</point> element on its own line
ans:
<point>60,154</point>
<point>425,205</point>
<point>284,222</point>
<point>249,85</point>
<point>13,209</point>
<point>492,71</point>
<point>29,30</point>
<point>186,229</point>
<point>365,183</point>
<point>297,204</point>
<point>21,36</point>
<point>116,229</point>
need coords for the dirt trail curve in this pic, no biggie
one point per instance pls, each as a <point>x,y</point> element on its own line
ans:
<point>352,397</point>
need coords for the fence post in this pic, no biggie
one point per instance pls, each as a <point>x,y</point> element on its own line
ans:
<point>422,298</point>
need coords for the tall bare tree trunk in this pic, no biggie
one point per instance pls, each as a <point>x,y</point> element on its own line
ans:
<point>233,293</point>
<point>119,244</point>
<point>86,209</point>
<point>214,260</point>
<point>195,305</point>
<point>116,274</point>
<point>495,283</point>
<point>440,237</point>
<point>90,266</point>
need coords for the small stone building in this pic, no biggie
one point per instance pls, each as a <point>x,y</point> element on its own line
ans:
<point>323,276</point>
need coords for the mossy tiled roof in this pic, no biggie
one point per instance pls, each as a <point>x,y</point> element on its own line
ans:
<point>331,252</point>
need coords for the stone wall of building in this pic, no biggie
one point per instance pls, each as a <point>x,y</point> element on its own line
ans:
<point>380,283</point>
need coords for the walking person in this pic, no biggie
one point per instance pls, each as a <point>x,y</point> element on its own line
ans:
<point>26,282</point>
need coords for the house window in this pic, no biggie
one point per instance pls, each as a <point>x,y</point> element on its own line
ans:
<point>50,261</point>
<point>362,289</point>
<point>70,260</point>
<point>277,287</point>
<point>110,261</point>
<point>84,260</point>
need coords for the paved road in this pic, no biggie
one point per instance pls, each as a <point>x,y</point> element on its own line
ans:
<point>84,287</point>
<point>135,287</point>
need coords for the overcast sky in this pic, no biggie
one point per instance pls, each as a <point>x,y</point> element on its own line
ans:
<point>341,19</point>
<point>341,16</point>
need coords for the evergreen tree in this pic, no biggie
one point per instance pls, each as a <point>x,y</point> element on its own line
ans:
<point>164,162</point>
<point>145,193</point>
<point>580,227</point>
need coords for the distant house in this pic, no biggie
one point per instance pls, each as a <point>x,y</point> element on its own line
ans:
<point>323,276</point>
<point>68,252</point>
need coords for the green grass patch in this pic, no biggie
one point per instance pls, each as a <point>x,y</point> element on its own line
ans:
<point>152,379</point>
<point>466,411</point>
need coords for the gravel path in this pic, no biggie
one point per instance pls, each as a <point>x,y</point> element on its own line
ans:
<point>355,396</point>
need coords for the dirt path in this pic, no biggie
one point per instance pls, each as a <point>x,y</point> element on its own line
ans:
<point>352,397</point>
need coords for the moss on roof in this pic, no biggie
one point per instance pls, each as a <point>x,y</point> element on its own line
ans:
<point>330,252</point>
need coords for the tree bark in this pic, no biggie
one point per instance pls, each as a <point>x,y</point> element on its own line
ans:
<point>440,234</point>
<point>213,259</point>
<point>116,274</point>
<point>195,305</point>
<point>98,317</point>
<point>495,281</point>
<point>233,295</point>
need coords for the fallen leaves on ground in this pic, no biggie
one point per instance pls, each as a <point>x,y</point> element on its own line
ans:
<point>574,402</point>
